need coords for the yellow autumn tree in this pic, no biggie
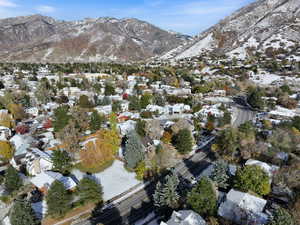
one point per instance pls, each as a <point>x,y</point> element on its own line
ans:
<point>99,149</point>
<point>6,120</point>
<point>16,110</point>
<point>6,151</point>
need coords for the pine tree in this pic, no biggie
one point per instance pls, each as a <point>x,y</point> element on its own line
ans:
<point>61,161</point>
<point>220,174</point>
<point>12,180</point>
<point>203,198</point>
<point>135,151</point>
<point>158,195</point>
<point>183,141</point>
<point>58,200</point>
<point>96,121</point>
<point>170,193</point>
<point>166,193</point>
<point>22,214</point>
<point>89,190</point>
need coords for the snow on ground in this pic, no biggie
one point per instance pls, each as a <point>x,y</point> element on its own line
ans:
<point>196,49</point>
<point>265,79</point>
<point>115,180</point>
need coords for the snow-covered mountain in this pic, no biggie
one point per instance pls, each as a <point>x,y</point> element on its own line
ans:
<point>261,25</point>
<point>39,39</point>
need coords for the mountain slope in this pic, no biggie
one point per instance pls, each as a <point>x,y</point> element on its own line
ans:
<point>260,25</point>
<point>38,38</point>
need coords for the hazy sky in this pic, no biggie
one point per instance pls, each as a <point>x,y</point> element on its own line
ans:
<point>185,16</point>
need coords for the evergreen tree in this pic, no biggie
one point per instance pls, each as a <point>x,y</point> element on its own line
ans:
<point>96,121</point>
<point>12,180</point>
<point>135,151</point>
<point>61,118</point>
<point>58,200</point>
<point>134,103</point>
<point>145,100</point>
<point>202,198</point>
<point>89,190</point>
<point>116,106</point>
<point>281,217</point>
<point>183,141</point>
<point>220,174</point>
<point>255,98</point>
<point>166,193</point>
<point>140,127</point>
<point>61,161</point>
<point>22,214</point>
<point>109,89</point>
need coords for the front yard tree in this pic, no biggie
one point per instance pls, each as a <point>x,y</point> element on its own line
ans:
<point>61,161</point>
<point>109,89</point>
<point>96,121</point>
<point>145,100</point>
<point>183,141</point>
<point>12,180</point>
<point>22,214</point>
<point>89,190</point>
<point>255,98</point>
<point>61,118</point>
<point>135,151</point>
<point>202,198</point>
<point>166,193</point>
<point>58,200</point>
<point>253,178</point>
<point>220,174</point>
<point>6,151</point>
<point>281,217</point>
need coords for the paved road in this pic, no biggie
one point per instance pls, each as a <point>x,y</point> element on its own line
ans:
<point>140,204</point>
<point>241,115</point>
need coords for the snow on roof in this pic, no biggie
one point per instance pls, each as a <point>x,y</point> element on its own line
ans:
<point>186,217</point>
<point>239,206</point>
<point>280,111</point>
<point>127,126</point>
<point>21,143</point>
<point>266,167</point>
<point>48,177</point>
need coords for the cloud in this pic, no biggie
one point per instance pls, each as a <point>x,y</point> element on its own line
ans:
<point>7,3</point>
<point>45,9</point>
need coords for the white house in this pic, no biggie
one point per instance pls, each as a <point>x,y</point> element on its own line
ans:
<point>44,180</point>
<point>37,161</point>
<point>243,208</point>
<point>185,217</point>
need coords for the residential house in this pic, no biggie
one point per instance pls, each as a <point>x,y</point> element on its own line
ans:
<point>44,180</point>
<point>185,217</point>
<point>243,208</point>
<point>37,161</point>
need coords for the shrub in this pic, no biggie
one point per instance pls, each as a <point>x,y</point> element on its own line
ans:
<point>253,178</point>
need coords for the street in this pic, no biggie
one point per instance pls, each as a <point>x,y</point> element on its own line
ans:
<point>140,204</point>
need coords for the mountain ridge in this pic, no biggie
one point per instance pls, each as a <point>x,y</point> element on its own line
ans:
<point>38,38</point>
<point>256,25</point>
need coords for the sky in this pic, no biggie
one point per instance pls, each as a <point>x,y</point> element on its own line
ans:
<point>185,16</point>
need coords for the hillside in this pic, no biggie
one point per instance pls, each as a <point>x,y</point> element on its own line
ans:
<point>261,25</point>
<point>43,39</point>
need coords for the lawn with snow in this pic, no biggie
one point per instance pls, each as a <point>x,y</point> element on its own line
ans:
<point>265,79</point>
<point>115,180</point>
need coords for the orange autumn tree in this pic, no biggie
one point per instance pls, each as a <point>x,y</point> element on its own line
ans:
<point>99,148</point>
